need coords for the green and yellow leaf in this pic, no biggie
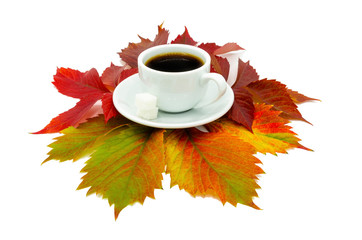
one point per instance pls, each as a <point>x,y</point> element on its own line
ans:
<point>79,142</point>
<point>127,168</point>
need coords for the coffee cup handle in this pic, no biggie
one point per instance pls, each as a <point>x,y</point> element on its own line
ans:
<point>220,82</point>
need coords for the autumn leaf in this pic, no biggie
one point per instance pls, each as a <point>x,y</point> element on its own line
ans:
<point>184,38</point>
<point>270,132</point>
<point>69,118</point>
<point>209,47</point>
<point>110,76</point>
<point>221,66</point>
<point>242,110</point>
<point>75,143</point>
<point>127,73</point>
<point>246,74</point>
<point>130,54</point>
<point>228,47</point>
<point>299,98</point>
<point>127,168</point>
<point>218,64</point>
<point>220,165</point>
<point>87,87</point>
<point>272,92</point>
<point>76,84</point>
<point>109,110</point>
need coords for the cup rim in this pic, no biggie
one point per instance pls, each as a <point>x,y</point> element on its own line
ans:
<point>202,53</point>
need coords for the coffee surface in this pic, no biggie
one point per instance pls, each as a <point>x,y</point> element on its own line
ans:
<point>174,62</point>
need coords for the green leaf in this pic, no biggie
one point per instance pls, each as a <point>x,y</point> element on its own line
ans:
<point>79,142</point>
<point>128,167</point>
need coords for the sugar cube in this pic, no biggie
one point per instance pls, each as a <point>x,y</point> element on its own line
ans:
<point>149,114</point>
<point>146,105</point>
<point>145,101</point>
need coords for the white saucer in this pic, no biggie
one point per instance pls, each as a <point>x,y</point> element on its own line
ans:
<point>124,101</point>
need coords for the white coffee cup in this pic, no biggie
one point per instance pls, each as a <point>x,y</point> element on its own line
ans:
<point>179,91</point>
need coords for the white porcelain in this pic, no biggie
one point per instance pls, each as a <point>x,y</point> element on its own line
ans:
<point>124,100</point>
<point>178,91</point>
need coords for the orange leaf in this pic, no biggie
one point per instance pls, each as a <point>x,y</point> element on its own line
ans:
<point>299,98</point>
<point>219,165</point>
<point>270,132</point>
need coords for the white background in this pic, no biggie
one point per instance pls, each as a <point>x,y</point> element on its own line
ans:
<point>312,46</point>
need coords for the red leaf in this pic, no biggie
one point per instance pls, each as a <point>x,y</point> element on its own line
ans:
<point>228,47</point>
<point>110,76</point>
<point>127,73</point>
<point>70,117</point>
<point>246,74</point>
<point>87,86</point>
<point>108,108</point>
<point>185,38</point>
<point>113,75</point>
<point>209,47</point>
<point>130,54</point>
<point>243,109</point>
<point>276,94</point>
<point>221,66</point>
<point>218,64</point>
<point>76,84</point>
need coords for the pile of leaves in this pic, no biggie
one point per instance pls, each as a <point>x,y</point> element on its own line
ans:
<point>127,159</point>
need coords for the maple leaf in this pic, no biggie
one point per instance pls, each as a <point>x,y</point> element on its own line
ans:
<point>242,110</point>
<point>220,165</point>
<point>184,38</point>
<point>79,142</point>
<point>130,54</point>
<point>276,94</point>
<point>127,167</point>
<point>271,134</point>
<point>87,87</point>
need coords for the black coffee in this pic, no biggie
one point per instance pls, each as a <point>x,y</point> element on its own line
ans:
<point>174,62</point>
